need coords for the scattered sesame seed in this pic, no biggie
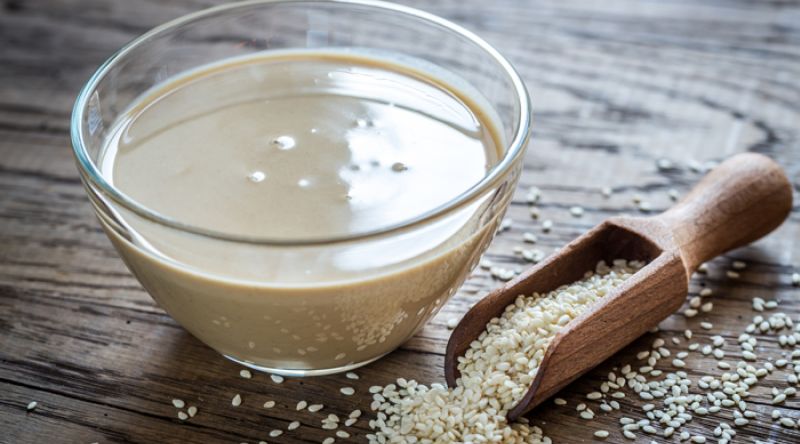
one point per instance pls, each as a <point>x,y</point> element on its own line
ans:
<point>244,373</point>
<point>606,192</point>
<point>534,193</point>
<point>237,400</point>
<point>576,211</point>
<point>347,391</point>
<point>178,403</point>
<point>732,274</point>
<point>328,441</point>
<point>275,433</point>
<point>293,425</point>
<point>351,375</point>
<point>315,408</point>
<point>342,434</point>
<point>399,167</point>
<point>664,164</point>
<point>192,410</point>
<point>452,323</point>
<point>673,194</point>
<point>301,405</point>
<point>547,225</point>
<point>31,405</point>
<point>269,404</point>
<point>277,379</point>
<point>560,401</point>
<point>183,416</point>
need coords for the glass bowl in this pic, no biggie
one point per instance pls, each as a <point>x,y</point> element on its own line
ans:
<point>397,277</point>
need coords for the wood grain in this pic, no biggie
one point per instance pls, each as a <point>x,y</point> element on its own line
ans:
<point>616,86</point>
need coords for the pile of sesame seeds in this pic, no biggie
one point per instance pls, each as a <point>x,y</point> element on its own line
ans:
<point>496,371</point>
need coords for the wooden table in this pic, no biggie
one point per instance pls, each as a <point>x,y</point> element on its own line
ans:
<point>616,85</point>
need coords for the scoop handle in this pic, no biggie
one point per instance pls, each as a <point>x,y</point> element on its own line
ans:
<point>738,202</point>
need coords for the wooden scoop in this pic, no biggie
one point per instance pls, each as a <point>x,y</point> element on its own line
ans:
<point>738,202</point>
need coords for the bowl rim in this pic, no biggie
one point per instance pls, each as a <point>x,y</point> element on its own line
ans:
<point>91,175</point>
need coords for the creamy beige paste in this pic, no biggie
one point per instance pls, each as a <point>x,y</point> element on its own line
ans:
<point>296,146</point>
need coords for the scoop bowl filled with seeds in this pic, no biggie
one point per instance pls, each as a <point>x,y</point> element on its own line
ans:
<point>532,346</point>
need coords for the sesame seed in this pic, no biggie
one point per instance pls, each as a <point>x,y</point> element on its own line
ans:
<point>183,416</point>
<point>738,265</point>
<point>606,191</point>
<point>275,433</point>
<point>277,379</point>
<point>328,441</point>
<point>342,434</point>
<point>560,401</point>
<point>452,323</point>
<point>31,405</point>
<point>576,211</point>
<point>301,405</point>
<point>351,375</point>
<point>706,325</point>
<point>673,194</point>
<point>399,167</point>
<point>178,403</point>
<point>237,400</point>
<point>244,373</point>
<point>547,225</point>
<point>732,274</point>
<point>315,408</point>
<point>347,391</point>
<point>269,404</point>
<point>293,425</point>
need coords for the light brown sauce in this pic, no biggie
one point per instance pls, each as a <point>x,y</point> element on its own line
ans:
<point>294,146</point>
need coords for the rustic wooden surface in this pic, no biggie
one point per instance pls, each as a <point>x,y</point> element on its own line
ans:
<point>616,86</point>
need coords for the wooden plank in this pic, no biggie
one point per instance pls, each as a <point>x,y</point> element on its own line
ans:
<point>616,86</point>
